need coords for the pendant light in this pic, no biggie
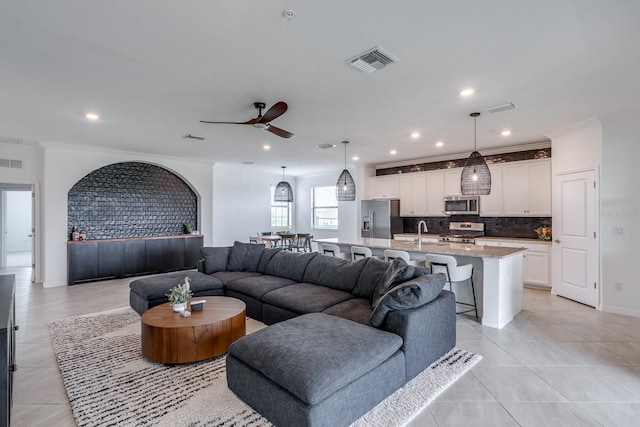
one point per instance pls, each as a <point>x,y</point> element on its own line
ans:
<point>283,191</point>
<point>345,187</point>
<point>476,177</point>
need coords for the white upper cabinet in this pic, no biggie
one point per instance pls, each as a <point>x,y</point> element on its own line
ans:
<point>413,194</point>
<point>526,188</point>
<point>491,204</point>
<point>452,181</point>
<point>384,187</point>
<point>435,193</point>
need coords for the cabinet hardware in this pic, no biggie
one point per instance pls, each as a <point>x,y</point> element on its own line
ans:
<point>13,367</point>
<point>15,328</point>
<point>557,241</point>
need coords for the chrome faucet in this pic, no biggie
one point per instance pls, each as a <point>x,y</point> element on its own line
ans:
<point>420,225</point>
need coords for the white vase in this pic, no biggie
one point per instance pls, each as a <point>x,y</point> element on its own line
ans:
<point>179,307</point>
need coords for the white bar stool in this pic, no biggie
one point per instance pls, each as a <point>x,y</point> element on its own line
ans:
<point>331,250</point>
<point>360,252</point>
<point>391,254</point>
<point>455,273</point>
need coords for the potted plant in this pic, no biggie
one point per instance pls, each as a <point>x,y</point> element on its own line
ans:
<point>187,227</point>
<point>178,296</point>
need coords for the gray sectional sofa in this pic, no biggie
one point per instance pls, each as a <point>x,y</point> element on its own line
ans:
<point>345,334</point>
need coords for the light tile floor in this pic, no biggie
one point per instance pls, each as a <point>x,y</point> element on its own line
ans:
<point>559,363</point>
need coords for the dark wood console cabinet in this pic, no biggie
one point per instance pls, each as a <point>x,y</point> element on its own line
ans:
<point>7,345</point>
<point>113,258</point>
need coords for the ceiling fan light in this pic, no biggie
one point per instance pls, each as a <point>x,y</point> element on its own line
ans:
<point>260,125</point>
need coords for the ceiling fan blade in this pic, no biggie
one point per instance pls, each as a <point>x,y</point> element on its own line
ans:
<point>280,132</point>
<point>278,109</point>
<point>249,122</point>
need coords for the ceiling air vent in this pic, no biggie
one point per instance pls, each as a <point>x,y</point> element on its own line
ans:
<point>372,60</point>
<point>8,163</point>
<point>503,107</point>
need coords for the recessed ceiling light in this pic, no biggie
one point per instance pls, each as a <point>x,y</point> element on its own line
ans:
<point>505,132</point>
<point>247,163</point>
<point>355,158</point>
<point>393,152</point>
<point>415,135</point>
<point>439,144</point>
<point>266,147</point>
<point>92,116</point>
<point>467,92</point>
<point>325,146</point>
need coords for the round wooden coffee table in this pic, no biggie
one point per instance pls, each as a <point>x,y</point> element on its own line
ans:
<point>170,338</point>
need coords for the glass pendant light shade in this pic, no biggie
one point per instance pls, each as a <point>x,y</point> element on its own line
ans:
<point>283,191</point>
<point>476,177</point>
<point>346,186</point>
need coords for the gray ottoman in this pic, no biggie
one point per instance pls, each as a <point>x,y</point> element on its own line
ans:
<point>150,291</point>
<point>315,370</point>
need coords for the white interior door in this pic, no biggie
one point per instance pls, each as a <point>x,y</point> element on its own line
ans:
<point>575,248</point>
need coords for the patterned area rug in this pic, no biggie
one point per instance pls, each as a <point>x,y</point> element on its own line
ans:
<point>109,383</point>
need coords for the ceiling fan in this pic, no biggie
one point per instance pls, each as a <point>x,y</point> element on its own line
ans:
<point>264,121</point>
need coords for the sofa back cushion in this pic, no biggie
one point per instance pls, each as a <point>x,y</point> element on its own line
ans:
<point>335,273</point>
<point>245,257</point>
<point>289,265</point>
<point>398,272</point>
<point>215,258</point>
<point>369,278</point>
<point>410,294</point>
<point>267,254</point>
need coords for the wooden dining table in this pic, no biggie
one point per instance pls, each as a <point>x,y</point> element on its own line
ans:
<point>283,240</point>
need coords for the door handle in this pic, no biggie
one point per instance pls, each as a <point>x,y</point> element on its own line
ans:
<point>557,241</point>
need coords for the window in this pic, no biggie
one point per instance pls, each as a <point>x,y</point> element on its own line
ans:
<point>280,213</point>
<point>325,207</point>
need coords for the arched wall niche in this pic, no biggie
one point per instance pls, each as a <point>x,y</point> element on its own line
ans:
<point>131,199</point>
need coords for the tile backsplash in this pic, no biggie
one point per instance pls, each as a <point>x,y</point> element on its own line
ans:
<point>494,226</point>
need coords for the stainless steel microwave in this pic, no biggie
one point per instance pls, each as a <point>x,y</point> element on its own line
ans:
<point>462,205</point>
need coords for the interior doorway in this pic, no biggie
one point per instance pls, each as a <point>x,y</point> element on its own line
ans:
<point>17,226</point>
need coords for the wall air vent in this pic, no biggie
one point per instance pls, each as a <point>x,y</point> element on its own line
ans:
<point>372,60</point>
<point>503,107</point>
<point>8,163</point>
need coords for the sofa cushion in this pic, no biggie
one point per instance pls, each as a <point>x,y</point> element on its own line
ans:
<point>397,272</point>
<point>227,277</point>
<point>333,272</point>
<point>355,309</point>
<point>315,355</point>
<point>290,265</point>
<point>154,287</point>
<point>305,298</point>
<point>215,259</point>
<point>267,254</point>
<point>257,286</point>
<point>407,295</point>
<point>369,278</point>
<point>245,257</point>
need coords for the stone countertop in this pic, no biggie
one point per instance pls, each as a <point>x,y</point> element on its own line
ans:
<point>442,248</point>
<point>514,239</point>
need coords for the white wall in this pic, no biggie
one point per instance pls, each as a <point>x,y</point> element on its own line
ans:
<point>64,165</point>
<point>620,208</point>
<point>348,222</point>
<point>30,173</point>
<point>242,202</point>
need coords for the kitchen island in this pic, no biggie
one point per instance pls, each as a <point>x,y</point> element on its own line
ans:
<point>497,272</point>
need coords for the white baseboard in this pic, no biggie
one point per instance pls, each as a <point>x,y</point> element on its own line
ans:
<point>618,310</point>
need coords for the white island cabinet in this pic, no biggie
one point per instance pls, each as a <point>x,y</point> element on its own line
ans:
<point>497,271</point>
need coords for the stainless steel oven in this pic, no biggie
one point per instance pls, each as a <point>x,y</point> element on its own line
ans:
<point>462,205</point>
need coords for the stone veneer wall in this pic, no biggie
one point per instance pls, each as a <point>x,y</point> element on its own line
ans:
<point>542,153</point>
<point>131,199</point>
<point>493,226</point>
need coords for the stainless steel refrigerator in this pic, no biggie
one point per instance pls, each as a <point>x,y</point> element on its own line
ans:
<point>381,218</point>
